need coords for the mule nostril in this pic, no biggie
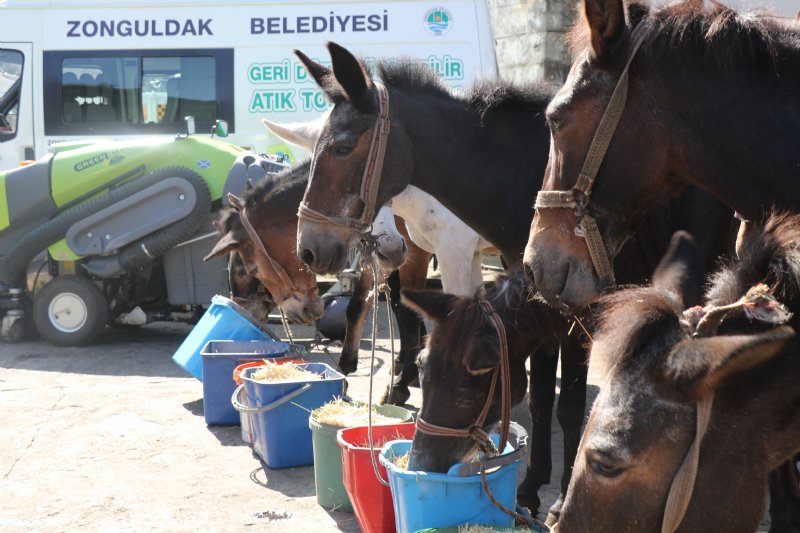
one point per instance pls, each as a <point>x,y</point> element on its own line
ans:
<point>307,256</point>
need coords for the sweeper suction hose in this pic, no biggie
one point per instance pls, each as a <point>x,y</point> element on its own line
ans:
<point>15,263</point>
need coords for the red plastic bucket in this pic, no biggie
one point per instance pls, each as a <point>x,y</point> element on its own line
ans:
<point>372,501</point>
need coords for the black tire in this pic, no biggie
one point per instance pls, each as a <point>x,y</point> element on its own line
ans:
<point>70,311</point>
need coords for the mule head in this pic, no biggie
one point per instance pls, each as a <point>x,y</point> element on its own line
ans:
<point>392,248</point>
<point>298,299</point>
<point>455,370</point>
<point>630,177</point>
<point>340,157</point>
<point>643,421</point>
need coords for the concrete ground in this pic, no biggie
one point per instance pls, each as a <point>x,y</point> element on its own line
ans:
<point>112,438</point>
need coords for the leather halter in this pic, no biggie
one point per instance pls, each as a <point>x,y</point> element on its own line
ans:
<point>370,180</point>
<point>279,270</point>
<point>577,198</point>
<point>476,431</point>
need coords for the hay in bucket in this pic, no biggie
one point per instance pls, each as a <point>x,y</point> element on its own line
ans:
<point>401,461</point>
<point>342,414</point>
<point>272,372</point>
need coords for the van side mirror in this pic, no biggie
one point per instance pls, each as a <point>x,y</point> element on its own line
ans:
<point>220,128</point>
<point>189,125</point>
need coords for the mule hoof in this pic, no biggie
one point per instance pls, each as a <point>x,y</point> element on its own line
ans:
<point>395,396</point>
<point>348,366</point>
<point>529,500</point>
<point>554,513</point>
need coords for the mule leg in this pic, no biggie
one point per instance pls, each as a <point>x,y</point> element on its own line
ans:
<point>784,502</point>
<point>412,274</point>
<point>544,362</point>
<point>570,411</point>
<point>357,311</point>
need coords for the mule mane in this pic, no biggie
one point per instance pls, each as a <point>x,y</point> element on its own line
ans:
<point>770,256</point>
<point>708,35</point>
<point>274,185</point>
<point>483,96</point>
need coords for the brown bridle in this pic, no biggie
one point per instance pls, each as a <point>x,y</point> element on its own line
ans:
<point>262,249</point>
<point>476,431</point>
<point>370,180</point>
<point>577,198</point>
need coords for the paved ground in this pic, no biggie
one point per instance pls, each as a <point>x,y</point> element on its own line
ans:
<point>112,438</point>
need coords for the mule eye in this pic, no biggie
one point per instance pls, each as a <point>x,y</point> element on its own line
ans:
<point>601,465</point>
<point>343,149</point>
<point>555,123</point>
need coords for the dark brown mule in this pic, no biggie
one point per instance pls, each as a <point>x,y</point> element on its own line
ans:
<point>712,102</point>
<point>462,350</point>
<point>645,419</point>
<point>271,208</point>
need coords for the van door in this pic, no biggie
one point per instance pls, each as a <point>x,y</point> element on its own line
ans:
<point>16,104</point>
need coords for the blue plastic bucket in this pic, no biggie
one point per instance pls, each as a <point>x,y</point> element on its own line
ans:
<point>220,359</point>
<point>224,319</point>
<point>279,413</point>
<point>431,500</point>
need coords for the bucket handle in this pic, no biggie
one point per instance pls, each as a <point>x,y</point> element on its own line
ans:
<point>239,406</point>
<point>471,469</point>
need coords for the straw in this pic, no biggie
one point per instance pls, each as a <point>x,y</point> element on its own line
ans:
<point>342,414</point>
<point>272,372</point>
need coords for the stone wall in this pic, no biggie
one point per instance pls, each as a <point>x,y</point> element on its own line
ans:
<point>528,36</point>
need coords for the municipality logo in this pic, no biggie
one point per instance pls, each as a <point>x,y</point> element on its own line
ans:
<point>438,20</point>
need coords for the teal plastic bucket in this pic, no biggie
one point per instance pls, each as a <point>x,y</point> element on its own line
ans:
<point>279,413</point>
<point>425,500</point>
<point>328,476</point>
<point>224,319</point>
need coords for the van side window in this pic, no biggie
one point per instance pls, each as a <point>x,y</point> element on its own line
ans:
<point>127,92</point>
<point>10,89</point>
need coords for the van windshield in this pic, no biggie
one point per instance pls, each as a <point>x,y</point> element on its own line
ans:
<point>10,83</point>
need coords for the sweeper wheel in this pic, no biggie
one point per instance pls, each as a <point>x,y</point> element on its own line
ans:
<point>70,311</point>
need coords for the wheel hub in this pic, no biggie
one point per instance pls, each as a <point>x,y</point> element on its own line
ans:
<point>67,312</point>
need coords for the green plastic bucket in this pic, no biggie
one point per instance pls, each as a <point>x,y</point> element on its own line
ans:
<point>328,482</point>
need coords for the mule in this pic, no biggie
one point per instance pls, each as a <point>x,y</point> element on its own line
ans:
<point>271,210</point>
<point>661,380</point>
<point>710,103</point>
<point>462,350</point>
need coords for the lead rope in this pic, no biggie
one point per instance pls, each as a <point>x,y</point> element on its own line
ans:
<point>369,244</point>
<point>286,328</point>
<point>680,493</point>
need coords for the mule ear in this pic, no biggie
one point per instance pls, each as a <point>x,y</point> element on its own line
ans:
<point>700,366</point>
<point>319,72</point>
<point>228,243</point>
<point>302,134</point>
<point>606,19</point>
<point>352,77</point>
<point>679,271</point>
<point>236,202</point>
<point>432,305</point>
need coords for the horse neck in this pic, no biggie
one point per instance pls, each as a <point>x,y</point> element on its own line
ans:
<point>486,171</point>
<point>746,155</point>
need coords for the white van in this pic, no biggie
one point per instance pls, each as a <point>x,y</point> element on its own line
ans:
<point>76,70</point>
